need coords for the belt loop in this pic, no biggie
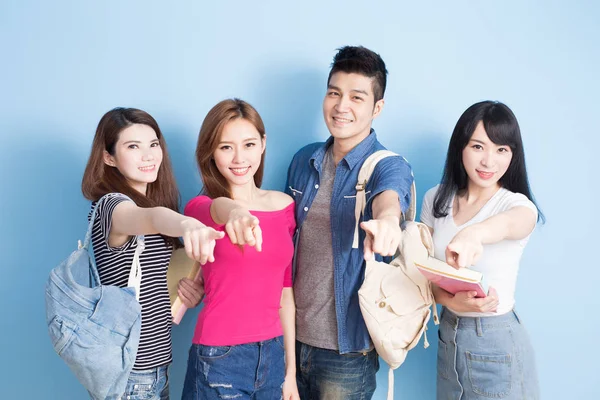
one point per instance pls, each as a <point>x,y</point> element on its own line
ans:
<point>478,326</point>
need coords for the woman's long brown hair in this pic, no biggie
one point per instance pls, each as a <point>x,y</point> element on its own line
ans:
<point>215,184</point>
<point>100,179</point>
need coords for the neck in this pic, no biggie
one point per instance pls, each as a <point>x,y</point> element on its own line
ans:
<point>140,187</point>
<point>341,147</point>
<point>476,193</point>
<point>246,193</point>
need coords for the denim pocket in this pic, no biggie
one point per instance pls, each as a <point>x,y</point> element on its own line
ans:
<point>296,194</point>
<point>279,340</point>
<point>442,359</point>
<point>213,352</point>
<point>490,375</point>
<point>61,333</point>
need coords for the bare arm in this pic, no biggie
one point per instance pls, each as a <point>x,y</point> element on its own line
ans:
<point>287,315</point>
<point>221,208</point>
<point>387,204</point>
<point>129,220</point>
<point>513,224</point>
<point>383,231</point>
<point>466,247</point>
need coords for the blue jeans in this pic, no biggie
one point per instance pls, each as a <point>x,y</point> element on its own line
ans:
<point>324,374</point>
<point>483,358</point>
<point>148,384</point>
<point>247,371</point>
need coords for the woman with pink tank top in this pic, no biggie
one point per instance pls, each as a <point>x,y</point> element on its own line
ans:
<point>243,345</point>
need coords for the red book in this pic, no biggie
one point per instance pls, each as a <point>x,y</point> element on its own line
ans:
<point>451,279</point>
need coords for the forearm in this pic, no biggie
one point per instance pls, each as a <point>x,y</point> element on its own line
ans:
<point>441,296</point>
<point>130,220</point>
<point>221,208</point>
<point>169,222</point>
<point>387,205</point>
<point>513,224</point>
<point>287,315</point>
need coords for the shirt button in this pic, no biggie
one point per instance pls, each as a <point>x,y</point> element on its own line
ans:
<point>317,186</point>
<point>135,386</point>
<point>305,208</point>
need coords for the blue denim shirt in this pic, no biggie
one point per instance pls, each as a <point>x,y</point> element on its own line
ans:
<point>392,173</point>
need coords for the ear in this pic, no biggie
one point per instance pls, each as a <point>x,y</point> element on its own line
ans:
<point>264,144</point>
<point>378,108</point>
<point>108,159</point>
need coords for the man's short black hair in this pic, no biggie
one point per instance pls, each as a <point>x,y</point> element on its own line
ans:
<point>360,60</point>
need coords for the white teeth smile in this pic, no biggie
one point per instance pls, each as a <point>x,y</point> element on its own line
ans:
<point>239,171</point>
<point>344,120</point>
<point>148,168</point>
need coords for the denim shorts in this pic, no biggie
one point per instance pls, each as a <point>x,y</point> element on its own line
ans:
<point>485,357</point>
<point>246,371</point>
<point>148,384</point>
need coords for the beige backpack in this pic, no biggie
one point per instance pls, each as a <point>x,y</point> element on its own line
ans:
<point>395,299</point>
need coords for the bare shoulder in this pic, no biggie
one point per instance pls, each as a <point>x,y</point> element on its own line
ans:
<point>277,200</point>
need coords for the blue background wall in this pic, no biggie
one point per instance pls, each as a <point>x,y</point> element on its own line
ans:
<point>66,63</point>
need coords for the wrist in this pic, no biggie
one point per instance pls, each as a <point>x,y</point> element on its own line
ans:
<point>290,374</point>
<point>189,223</point>
<point>476,231</point>
<point>391,218</point>
<point>238,211</point>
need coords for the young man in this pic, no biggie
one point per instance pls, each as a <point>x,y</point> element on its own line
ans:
<point>335,358</point>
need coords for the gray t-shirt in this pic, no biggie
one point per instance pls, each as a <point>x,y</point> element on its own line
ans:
<point>316,322</point>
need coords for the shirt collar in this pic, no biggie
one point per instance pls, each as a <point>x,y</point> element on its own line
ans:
<point>355,156</point>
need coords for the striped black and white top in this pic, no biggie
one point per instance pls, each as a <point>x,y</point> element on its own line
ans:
<point>114,264</point>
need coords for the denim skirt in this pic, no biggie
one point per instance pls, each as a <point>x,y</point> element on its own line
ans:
<point>485,357</point>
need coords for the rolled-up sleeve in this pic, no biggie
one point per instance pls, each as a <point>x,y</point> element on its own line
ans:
<point>391,173</point>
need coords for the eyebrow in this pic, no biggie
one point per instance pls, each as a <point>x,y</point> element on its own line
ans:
<point>245,140</point>
<point>351,90</point>
<point>477,141</point>
<point>138,141</point>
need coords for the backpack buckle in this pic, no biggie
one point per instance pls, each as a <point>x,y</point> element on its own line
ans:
<point>360,187</point>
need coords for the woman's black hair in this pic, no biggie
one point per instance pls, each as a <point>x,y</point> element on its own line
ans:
<point>502,128</point>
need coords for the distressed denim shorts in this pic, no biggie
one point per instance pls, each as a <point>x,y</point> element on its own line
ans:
<point>149,384</point>
<point>485,357</point>
<point>246,371</point>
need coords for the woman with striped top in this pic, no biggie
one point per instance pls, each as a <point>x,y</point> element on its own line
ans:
<point>129,163</point>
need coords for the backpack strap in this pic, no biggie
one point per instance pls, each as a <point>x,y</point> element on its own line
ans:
<point>135,272</point>
<point>390,394</point>
<point>366,170</point>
